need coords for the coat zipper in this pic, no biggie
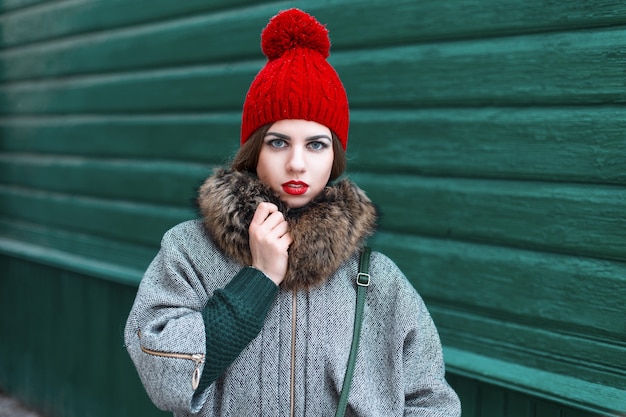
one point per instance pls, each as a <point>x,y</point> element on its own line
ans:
<point>292,385</point>
<point>198,358</point>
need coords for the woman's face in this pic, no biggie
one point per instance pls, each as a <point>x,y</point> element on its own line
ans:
<point>296,160</point>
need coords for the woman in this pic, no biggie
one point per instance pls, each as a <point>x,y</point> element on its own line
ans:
<point>250,310</point>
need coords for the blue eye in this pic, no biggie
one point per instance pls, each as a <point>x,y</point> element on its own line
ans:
<point>317,145</point>
<point>277,143</point>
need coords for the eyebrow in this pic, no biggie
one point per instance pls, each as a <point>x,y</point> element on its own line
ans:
<point>287,137</point>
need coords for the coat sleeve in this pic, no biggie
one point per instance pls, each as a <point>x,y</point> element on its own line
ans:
<point>181,334</point>
<point>427,393</point>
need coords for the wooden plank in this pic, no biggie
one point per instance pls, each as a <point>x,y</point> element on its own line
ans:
<point>157,182</point>
<point>201,138</point>
<point>72,262</point>
<point>197,39</point>
<point>406,21</point>
<point>112,259</point>
<point>492,400</point>
<point>200,37</point>
<point>559,314</point>
<point>131,222</point>
<point>78,319</point>
<point>217,88</point>
<point>556,144</point>
<point>571,412</point>
<point>567,294</point>
<point>497,212</point>
<point>518,405</point>
<point>570,391</point>
<point>578,356</point>
<point>468,391</point>
<point>546,409</point>
<point>555,317</point>
<point>554,69</point>
<point>564,218</point>
<point>63,19</point>
<point>13,5</point>
<point>513,143</point>
<point>386,25</point>
<point>546,69</point>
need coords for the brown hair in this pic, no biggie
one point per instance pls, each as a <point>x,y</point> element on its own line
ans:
<point>247,158</point>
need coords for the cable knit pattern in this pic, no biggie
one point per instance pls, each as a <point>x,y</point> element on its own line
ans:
<point>297,82</point>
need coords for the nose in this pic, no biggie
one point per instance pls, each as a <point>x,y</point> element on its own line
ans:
<point>296,161</point>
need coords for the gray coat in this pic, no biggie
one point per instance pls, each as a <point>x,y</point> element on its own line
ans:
<point>399,369</point>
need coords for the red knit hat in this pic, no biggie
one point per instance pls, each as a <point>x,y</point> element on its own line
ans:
<point>297,82</point>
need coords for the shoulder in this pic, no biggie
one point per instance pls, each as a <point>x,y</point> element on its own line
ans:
<point>387,276</point>
<point>390,288</point>
<point>188,251</point>
<point>187,230</point>
<point>188,235</point>
<point>191,241</point>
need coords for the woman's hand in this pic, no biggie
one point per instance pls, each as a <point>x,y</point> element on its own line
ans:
<point>269,242</point>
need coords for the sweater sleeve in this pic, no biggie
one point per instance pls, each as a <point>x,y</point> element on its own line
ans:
<point>232,318</point>
<point>189,283</point>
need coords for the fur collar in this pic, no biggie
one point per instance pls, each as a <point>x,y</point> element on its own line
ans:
<point>325,233</point>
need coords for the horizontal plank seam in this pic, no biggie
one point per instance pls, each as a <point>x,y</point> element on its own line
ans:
<point>534,353</point>
<point>65,160</point>
<point>523,178</point>
<point>495,316</point>
<point>502,245</point>
<point>8,10</point>
<point>116,203</point>
<point>175,20</point>
<point>155,117</point>
<point>131,26</point>
<point>246,59</point>
<point>67,261</point>
<point>482,34</point>
<point>508,245</point>
<point>182,71</point>
<point>536,382</point>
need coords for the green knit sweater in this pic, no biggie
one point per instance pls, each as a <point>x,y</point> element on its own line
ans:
<point>232,318</point>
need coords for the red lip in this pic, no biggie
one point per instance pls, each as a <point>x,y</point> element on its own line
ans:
<point>295,187</point>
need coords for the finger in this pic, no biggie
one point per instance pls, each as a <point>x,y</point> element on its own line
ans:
<point>274,220</point>
<point>283,243</point>
<point>287,239</point>
<point>262,211</point>
<point>280,229</point>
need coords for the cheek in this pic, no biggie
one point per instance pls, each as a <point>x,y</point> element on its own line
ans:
<point>265,171</point>
<point>329,166</point>
<point>262,167</point>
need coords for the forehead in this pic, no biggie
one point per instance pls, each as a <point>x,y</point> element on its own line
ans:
<point>298,127</point>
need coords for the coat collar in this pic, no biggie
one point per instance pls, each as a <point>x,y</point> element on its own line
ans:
<point>325,233</point>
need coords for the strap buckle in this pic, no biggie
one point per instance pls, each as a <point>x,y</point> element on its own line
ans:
<point>363,279</point>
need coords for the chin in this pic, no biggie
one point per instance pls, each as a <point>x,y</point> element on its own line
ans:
<point>294,203</point>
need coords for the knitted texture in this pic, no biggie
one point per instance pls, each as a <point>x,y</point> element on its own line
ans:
<point>233,317</point>
<point>399,368</point>
<point>297,82</point>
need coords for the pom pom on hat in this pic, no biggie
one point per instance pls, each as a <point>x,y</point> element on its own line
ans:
<point>294,29</point>
<point>297,82</point>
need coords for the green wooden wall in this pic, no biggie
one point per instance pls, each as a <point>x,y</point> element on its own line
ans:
<point>490,134</point>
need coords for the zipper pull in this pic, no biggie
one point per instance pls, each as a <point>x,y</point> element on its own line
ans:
<point>195,379</point>
<point>198,358</point>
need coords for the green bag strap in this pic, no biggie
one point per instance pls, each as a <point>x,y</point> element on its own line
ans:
<point>362,282</point>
